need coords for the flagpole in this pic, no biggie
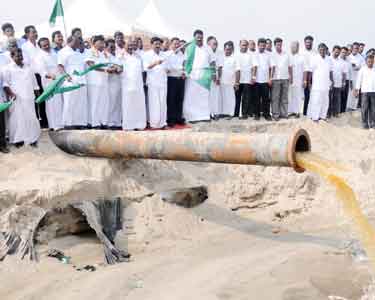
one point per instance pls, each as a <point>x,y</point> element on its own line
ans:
<point>66,32</point>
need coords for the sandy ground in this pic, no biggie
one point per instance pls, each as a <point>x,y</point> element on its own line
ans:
<point>294,243</point>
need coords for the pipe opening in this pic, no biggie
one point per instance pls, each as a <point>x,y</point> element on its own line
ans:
<point>303,144</point>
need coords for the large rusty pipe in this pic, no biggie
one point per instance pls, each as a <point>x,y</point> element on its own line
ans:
<point>254,149</point>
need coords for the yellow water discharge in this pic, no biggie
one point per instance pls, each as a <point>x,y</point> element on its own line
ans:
<point>329,171</point>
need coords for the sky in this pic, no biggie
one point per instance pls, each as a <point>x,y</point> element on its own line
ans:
<point>330,21</point>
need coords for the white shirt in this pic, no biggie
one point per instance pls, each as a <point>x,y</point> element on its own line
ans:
<point>157,76</point>
<point>95,77</point>
<point>31,53</point>
<point>348,68</point>
<point>175,63</point>
<point>246,61</point>
<point>72,61</point>
<point>357,62</point>
<point>47,64</point>
<point>366,80</point>
<point>230,68</point>
<point>298,63</point>
<point>203,57</point>
<point>132,75</point>
<point>321,68</point>
<point>308,55</point>
<point>264,65</point>
<point>281,63</point>
<point>338,69</point>
<point>4,61</point>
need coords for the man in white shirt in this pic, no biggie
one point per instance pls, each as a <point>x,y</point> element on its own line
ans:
<point>114,86</point>
<point>348,85</point>
<point>120,44</point>
<point>357,62</point>
<point>282,76</point>
<point>97,84</point>
<point>196,104</point>
<point>70,59</point>
<point>176,84</point>
<point>246,91</point>
<point>263,82</point>
<point>49,71</point>
<point>216,100</point>
<point>156,68</point>
<point>322,81</point>
<point>361,51</point>
<point>133,97</point>
<point>339,79</point>
<point>366,84</point>
<point>296,88</point>
<point>230,81</point>
<point>252,46</point>
<point>20,84</point>
<point>307,53</point>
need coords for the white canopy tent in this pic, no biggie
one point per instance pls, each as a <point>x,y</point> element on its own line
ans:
<point>92,16</point>
<point>150,22</point>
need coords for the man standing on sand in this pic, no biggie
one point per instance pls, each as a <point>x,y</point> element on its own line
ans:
<point>246,91</point>
<point>196,104</point>
<point>156,68</point>
<point>215,93</point>
<point>339,79</point>
<point>348,85</point>
<point>282,76</point>
<point>176,84</point>
<point>357,62</point>
<point>308,54</point>
<point>263,82</point>
<point>296,87</point>
<point>322,81</point>
<point>4,61</point>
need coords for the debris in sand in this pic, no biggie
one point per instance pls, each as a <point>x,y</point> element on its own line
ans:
<point>255,206</point>
<point>59,255</point>
<point>186,197</point>
<point>280,215</point>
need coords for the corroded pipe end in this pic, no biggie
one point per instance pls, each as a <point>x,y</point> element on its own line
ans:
<point>299,141</point>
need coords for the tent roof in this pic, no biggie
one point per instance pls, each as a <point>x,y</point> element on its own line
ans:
<point>92,16</point>
<point>150,21</point>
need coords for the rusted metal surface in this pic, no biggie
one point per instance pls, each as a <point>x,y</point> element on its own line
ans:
<point>254,149</point>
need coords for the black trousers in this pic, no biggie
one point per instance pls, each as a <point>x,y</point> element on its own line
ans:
<point>344,96</point>
<point>368,110</point>
<point>175,100</point>
<point>245,95</point>
<point>306,101</point>
<point>41,108</point>
<point>262,100</point>
<point>334,107</point>
<point>2,130</point>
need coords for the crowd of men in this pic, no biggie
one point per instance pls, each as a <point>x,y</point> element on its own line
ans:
<point>152,90</point>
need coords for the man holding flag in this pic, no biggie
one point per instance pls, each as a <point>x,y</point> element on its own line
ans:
<point>199,71</point>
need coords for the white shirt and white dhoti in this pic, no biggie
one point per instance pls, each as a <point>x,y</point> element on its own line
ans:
<point>296,90</point>
<point>31,53</point>
<point>228,79</point>
<point>157,88</point>
<point>133,95</point>
<point>197,103</point>
<point>97,89</point>
<point>319,97</point>
<point>115,95</point>
<point>23,123</point>
<point>47,62</point>
<point>215,99</point>
<point>75,112</point>
<point>356,62</point>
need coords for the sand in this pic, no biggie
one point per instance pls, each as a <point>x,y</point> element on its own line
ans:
<point>264,233</point>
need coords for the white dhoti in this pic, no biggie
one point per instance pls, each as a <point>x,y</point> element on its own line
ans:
<point>352,103</point>
<point>98,99</point>
<point>134,109</point>
<point>296,96</point>
<point>54,111</point>
<point>196,103</point>
<point>215,100</point>
<point>75,112</point>
<point>23,123</point>
<point>228,100</point>
<point>318,105</point>
<point>157,102</point>
<point>115,100</point>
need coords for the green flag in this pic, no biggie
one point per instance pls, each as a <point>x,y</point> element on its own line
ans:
<point>58,11</point>
<point>4,106</point>
<point>205,79</point>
